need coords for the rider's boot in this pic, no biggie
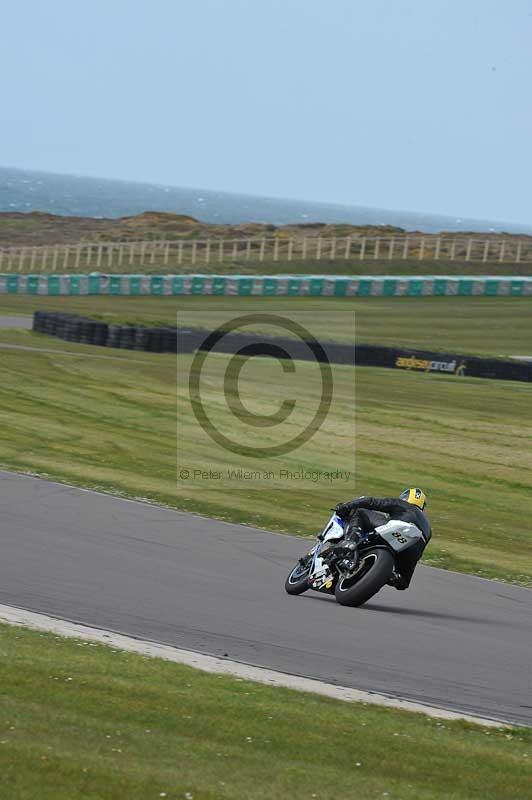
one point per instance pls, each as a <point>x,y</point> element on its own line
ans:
<point>398,581</point>
<point>353,533</point>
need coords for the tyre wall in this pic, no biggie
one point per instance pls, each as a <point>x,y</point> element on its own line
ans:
<point>73,328</point>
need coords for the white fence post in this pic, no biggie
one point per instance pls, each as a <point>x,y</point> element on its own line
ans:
<point>347,248</point>
<point>64,257</point>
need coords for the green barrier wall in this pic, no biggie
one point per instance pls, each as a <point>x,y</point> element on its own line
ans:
<point>267,285</point>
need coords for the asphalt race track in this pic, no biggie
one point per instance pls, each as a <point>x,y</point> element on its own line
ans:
<point>16,322</point>
<point>451,641</point>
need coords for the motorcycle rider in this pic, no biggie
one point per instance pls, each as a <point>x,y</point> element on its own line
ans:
<point>364,514</point>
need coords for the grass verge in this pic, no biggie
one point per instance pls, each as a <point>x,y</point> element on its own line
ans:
<point>240,266</point>
<point>81,720</point>
<point>107,419</point>
<point>471,325</point>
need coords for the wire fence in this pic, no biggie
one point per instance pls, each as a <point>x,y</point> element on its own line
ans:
<point>149,255</point>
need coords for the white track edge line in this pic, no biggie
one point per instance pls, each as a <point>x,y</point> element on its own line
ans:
<point>221,666</point>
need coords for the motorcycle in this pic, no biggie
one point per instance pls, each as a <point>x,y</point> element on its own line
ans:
<point>357,572</point>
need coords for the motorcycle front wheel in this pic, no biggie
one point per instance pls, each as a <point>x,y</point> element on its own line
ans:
<point>297,581</point>
<point>373,571</point>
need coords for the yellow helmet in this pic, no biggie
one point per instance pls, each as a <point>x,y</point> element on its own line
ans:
<point>415,496</point>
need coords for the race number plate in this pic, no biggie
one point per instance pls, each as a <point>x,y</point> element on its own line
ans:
<point>399,535</point>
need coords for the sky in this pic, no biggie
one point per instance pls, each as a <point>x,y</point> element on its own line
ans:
<point>403,104</point>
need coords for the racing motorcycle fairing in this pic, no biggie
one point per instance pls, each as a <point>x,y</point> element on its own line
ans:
<point>399,535</point>
<point>320,574</point>
<point>333,530</point>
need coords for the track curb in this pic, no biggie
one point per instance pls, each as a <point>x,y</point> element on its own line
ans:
<point>11,615</point>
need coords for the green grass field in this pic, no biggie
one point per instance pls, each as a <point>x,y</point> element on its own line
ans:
<point>107,419</point>
<point>473,325</point>
<point>83,721</point>
<point>326,266</point>
<point>239,266</point>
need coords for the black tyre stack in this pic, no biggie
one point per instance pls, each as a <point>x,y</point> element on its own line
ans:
<point>100,331</point>
<point>127,337</point>
<point>86,332</point>
<point>39,322</point>
<point>155,340</point>
<point>73,328</point>
<point>142,337</point>
<point>114,336</point>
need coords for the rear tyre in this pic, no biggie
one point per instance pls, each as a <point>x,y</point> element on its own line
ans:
<point>297,581</point>
<point>373,572</point>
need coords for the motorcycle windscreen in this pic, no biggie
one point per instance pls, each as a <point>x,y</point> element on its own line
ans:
<point>398,534</point>
<point>334,529</point>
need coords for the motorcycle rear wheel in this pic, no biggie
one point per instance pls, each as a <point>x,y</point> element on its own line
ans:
<point>373,572</point>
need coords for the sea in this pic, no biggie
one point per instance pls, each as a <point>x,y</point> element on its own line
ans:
<point>77,195</point>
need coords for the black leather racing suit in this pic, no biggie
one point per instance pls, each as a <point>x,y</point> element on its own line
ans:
<point>360,513</point>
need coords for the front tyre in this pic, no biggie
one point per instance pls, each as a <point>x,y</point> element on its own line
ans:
<point>373,571</point>
<point>297,581</point>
